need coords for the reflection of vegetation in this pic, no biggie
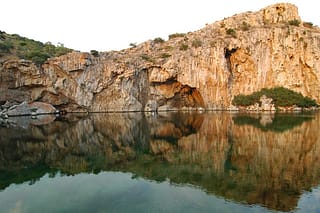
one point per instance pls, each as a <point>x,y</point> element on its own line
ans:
<point>230,184</point>
<point>281,96</point>
<point>182,148</point>
<point>280,123</point>
<point>25,48</point>
<point>30,175</point>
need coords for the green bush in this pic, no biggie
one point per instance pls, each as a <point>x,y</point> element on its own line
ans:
<point>30,49</point>
<point>281,97</point>
<point>245,26</point>
<point>183,47</point>
<point>176,35</point>
<point>158,40</point>
<point>2,35</point>
<point>165,55</point>
<point>196,43</point>
<point>146,57</point>
<point>294,22</point>
<point>37,57</point>
<point>95,53</point>
<point>308,24</point>
<point>5,47</point>
<point>133,45</point>
<point>231,32</point>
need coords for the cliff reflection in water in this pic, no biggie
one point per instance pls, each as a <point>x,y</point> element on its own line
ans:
<point>246,158</point>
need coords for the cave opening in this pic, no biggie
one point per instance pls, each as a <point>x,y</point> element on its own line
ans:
<point>187,97</point>
<point>227,54</point>
<point>176,95</point>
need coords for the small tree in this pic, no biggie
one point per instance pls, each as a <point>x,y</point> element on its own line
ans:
<point>165,55</point>
<point>294,22</point>
<point>183,47</point>
<point>308,24</point>
<point>196,43</point>
<point>245,26</point>
<point>5,47</point>
<point>158,40</point>
<point>231,32</point>
<point>133,45</point>
<point>176,35</point>
<point>95,53</point>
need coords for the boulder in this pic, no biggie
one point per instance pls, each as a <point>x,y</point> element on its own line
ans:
<point>35,108</point>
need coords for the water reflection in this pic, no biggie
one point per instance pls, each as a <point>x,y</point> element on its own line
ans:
<point>269,160</point>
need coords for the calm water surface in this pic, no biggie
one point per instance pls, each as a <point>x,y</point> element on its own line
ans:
<point>170,162</point>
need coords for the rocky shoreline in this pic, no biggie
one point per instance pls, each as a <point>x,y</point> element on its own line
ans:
<point>33,109</point>
<point>39,110</point>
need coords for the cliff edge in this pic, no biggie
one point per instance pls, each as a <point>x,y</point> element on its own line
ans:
<point>198,70</point>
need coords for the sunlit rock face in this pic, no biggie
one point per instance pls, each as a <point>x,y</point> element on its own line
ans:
<point>246,158</point>
<point>203,69</point>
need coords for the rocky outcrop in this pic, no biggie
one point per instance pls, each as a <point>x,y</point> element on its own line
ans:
<point>264,105</point>
<point>35,108</point>
<point>194,71</point>
<point>42,113</point>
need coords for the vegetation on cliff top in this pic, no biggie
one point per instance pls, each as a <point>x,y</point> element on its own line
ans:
<point>29,49</point>
<point>282,97</point>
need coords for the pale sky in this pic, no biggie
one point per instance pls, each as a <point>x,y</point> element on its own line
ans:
<point>105,25</point>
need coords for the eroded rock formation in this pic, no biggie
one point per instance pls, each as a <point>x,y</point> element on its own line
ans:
<point>202,69</point>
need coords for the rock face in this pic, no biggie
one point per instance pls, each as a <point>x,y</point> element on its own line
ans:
<point>202,69</point>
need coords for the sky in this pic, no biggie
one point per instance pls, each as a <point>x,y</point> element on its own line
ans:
<point>106,25</point>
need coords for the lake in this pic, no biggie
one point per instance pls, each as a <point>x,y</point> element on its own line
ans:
<point>166,162</point>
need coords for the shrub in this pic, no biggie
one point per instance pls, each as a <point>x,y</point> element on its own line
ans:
<point>165,55</point>
<point>294,22</point>
<point>231,32</point>
<point>61,50</point>
<point>245,26</point>
<point>183,47</point>
<point>176,35</point>
<point>308,24</point>
<point>37,57</point>
<point>133,45</point>
<point>196,43</point>
<point>25,48</point>
<point>95,53</point>
<point>168,48</point>
<point>146,57</point>
<point>2,35</point>
<point>5,47</point>
<point>281,97</point>
<point>158,40</point>
<point>22,43</point>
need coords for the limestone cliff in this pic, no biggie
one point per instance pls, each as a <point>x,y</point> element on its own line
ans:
<point>203,69</point>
